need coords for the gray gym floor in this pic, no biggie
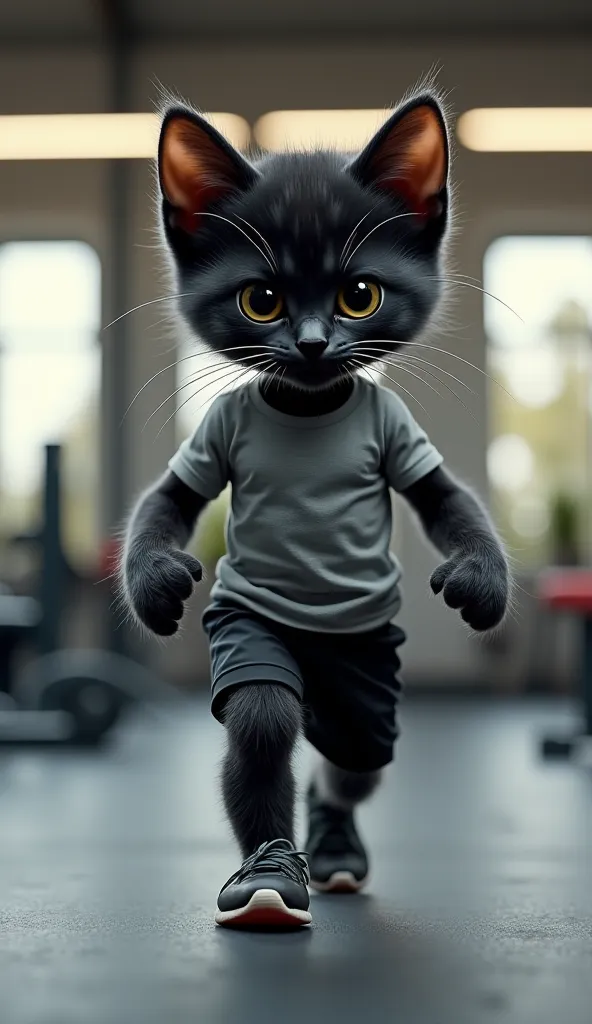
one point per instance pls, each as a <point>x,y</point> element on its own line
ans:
<point>480,907</point>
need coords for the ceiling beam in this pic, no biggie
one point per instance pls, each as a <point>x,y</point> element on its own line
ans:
<point>307,36</point>
<point>116,22</point>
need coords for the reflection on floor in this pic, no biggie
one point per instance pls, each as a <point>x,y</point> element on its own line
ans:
<point>480,906</point>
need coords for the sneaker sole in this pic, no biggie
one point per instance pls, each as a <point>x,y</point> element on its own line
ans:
<point>265,909</point>
<point>340,881</point>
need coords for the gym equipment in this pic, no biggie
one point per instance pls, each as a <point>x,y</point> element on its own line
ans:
<point>63,696</point>
<point>570,590</point>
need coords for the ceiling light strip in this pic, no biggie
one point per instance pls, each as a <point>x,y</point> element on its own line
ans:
<point>96,136</point>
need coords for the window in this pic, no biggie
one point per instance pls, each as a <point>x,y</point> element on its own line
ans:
<point>538,457</point>
<point>50,366</point>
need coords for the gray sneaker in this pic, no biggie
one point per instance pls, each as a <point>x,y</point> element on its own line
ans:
<point>269,890</point>
<point>337,859</point>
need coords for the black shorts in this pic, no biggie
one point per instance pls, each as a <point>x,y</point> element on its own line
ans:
<point>347,682</point>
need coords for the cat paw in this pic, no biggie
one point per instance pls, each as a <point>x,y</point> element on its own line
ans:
<point>477,583</point>
<point>157,583</point>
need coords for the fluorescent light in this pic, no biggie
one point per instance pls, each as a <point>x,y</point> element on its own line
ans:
<point>527,129</point>
<point>308,129</point>
<point>95,136</point>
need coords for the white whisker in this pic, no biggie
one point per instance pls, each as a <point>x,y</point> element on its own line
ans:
<point>227,220</point>
<point>477,288</point>
<point>165,320</point>
<point>399,216</point>
<point>264,240</point>
<point>151,302</point>
<point>444,352</point>
<point>436,366</point>
<point>195,393</point>
<point>401,365</point>
<point>269,382</point>
<point>215,371</point>
<point>345,249</point>
<point>417,359</point>
<point>395,382</point>
<point>233,348</point>
<point>467,277</point>
<point>199,376</point>
<point>183,359</point>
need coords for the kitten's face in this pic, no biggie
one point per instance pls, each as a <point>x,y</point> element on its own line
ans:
<point>307,266</point>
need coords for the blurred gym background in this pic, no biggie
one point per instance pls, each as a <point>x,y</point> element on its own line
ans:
<point>83,329</point>
<point>79,248</point>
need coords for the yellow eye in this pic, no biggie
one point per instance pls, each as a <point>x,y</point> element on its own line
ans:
<point>261,302</point>
<point>359,299</point>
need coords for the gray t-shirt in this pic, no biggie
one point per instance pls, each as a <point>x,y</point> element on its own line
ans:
<point>308,535</point>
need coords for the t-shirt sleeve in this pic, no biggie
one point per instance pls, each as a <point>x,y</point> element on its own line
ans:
<point>409,454</point>
<point>201,462</point>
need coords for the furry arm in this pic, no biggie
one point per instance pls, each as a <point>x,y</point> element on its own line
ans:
<point>157,577</point>
<point>475,576</point>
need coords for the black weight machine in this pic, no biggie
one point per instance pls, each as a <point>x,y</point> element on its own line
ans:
<point>63,696</point>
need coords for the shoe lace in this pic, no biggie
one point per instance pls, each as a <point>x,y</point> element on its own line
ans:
<point>276,856</point>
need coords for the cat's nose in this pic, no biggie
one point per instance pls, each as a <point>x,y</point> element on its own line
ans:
<point>312,348</point>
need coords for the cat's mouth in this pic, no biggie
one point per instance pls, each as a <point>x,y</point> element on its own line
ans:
<point>318,373</point>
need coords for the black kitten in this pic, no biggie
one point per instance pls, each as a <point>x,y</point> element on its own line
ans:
<point>303,264</point>
<point>307,267</point>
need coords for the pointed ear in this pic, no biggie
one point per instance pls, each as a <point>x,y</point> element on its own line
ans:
<point>408,157</point>
<point>196,167</point>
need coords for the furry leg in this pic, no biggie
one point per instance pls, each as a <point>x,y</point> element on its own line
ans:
<point>343,789</point>
<point>263,721</point>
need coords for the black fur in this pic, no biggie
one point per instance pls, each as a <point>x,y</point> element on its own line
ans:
<point>306,206</point>
<point>475,578</point>
<point>156,576</point>
<point>346,789</point>
<point>263,721</point>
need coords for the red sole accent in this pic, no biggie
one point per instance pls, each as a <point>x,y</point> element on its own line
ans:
<point>263,917</point>
<point>265,909</point>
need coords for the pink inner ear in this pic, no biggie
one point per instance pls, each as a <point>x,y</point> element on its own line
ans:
<point>193,171</point>
<point>412,160</point>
